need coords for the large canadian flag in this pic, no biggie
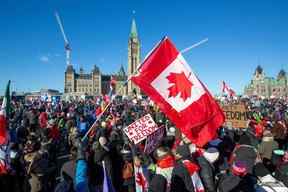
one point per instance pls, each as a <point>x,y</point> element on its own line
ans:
<point>169,81</point>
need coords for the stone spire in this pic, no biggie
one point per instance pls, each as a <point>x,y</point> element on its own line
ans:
<point>281,74</point>
<point>133,57</point>
<point>133,32</point>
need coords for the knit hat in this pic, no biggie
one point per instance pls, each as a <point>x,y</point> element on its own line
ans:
<point>239,168</point>
<point>215,142</point>
<point>260,170</point>
<point>211,154</point>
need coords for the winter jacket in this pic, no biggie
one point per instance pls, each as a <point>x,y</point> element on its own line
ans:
<point>101,154</point>
<point>233,183</point>
<point>281,173</point>
<point>207,174</point>
<point>267,146</point>
<point>181,179</point>
<point>43,119</point>
<point>81,180</point>
<point>158,184</point>
<point>33,118</point>
<point>270,184</point>
<point>165,167</point>
<point>279,131</point>
<point>54,133</point>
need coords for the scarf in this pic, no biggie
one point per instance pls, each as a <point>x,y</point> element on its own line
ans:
<point>165,167</point>
<point>193,171</point>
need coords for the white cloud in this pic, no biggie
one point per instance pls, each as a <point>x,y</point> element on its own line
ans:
<point>44,59</point>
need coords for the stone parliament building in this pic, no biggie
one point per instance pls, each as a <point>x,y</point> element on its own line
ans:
<point>96,83</point>
<point>267,87</point>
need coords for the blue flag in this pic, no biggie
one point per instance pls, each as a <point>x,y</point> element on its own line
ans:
<point>107,184</point>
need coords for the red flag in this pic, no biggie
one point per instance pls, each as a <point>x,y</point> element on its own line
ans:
<point>169,81</point>
<point>113,81</point>
<point>227,89</point>
<point>3,129</point>
<point>224,87</point>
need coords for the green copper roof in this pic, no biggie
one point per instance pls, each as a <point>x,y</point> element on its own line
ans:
<point>133,32</point>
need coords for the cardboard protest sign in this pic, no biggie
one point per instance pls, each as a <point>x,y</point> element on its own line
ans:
<point>140,129</point>
<point>236,115</point>
<point>154,140</point>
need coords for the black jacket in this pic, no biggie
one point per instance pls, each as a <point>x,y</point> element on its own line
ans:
<point>181,180</point>
<point>281,173</point>
<point>207,174</point>
<point>233,183</point>
<point>158,184</point>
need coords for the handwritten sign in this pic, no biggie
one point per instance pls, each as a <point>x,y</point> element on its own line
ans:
<point>154,140</point>
<point>236,115</point>
<point>140,129</point>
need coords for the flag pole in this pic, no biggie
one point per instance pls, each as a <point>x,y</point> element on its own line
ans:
<point>194,45</point>
<point>94,124</point>
<point>135,72</point>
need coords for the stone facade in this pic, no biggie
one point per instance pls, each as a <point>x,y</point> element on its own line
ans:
<point>96,83</point>
<point>133,57</point>
<point>93,83</point>
<point>268,87</point>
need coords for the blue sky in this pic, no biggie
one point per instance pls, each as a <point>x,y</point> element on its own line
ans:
<point>242,34</point>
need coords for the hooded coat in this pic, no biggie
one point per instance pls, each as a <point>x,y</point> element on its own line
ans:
<point>207,174</point>
<point>267,146</point>
<point>81,179</point>
<point>181,179</point>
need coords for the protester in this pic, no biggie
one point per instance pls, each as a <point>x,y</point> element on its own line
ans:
<point>47,153</point>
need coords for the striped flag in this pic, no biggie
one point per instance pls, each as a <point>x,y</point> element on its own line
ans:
<point>141,183</point>
<point>4,115</point>
<point>226,89</point>
<point>6,108</point>
<point>112,87</point>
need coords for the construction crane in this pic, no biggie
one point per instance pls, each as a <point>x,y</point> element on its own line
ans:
<point>67,44</point>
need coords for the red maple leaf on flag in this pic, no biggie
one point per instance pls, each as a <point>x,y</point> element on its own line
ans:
<point>140,180</point>
<point>181,84</point>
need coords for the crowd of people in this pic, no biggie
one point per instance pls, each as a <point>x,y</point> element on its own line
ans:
<point>47,150</point>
